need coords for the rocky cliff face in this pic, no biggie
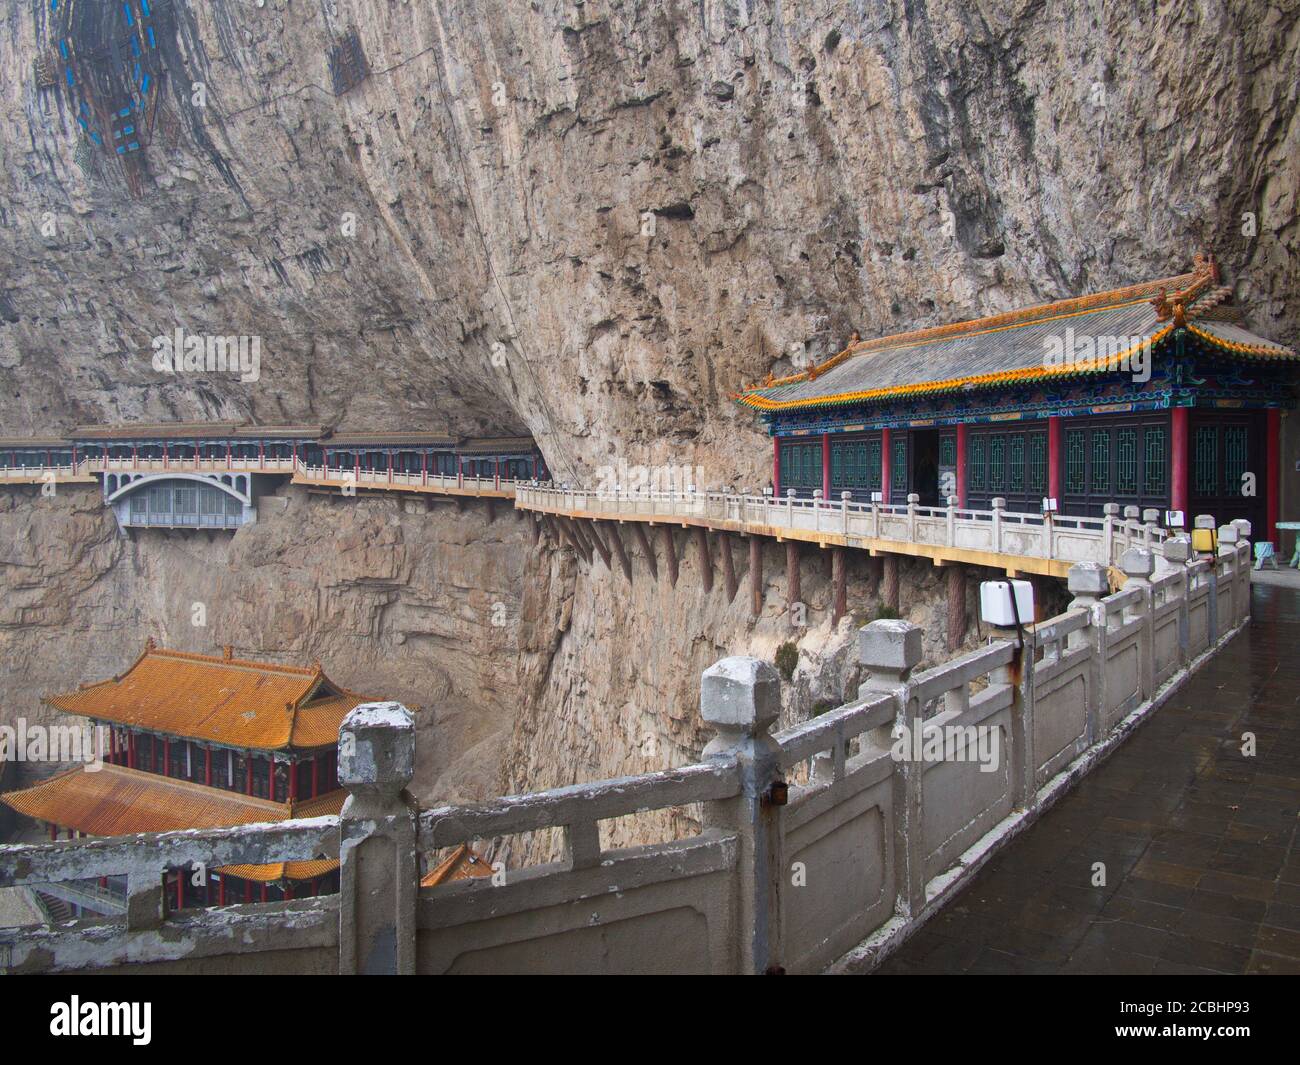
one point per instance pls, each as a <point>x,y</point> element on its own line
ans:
<point>591,222</point>
<point>393,600</point>
<point>595,220</point>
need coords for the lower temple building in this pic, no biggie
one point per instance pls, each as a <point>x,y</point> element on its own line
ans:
<point>192,741</point>
<point>1155,395</point>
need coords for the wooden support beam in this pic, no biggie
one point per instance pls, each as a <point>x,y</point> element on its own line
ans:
<point>706,558</point>
<point>670,553</point>
<point>840,582</point>
<point>616,542</point>
<point>647,548</point>
<point>575,537</point>
<point>535,528</point>
<point>597,541</point>
<point>728,565</point>
<point>889,582</point>
<point>756,575</point>
<point>794,593</point>
<point>956,606</point>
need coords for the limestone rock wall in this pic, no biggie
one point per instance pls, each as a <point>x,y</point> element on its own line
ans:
<point>596,220</point>
<point>394,602</point>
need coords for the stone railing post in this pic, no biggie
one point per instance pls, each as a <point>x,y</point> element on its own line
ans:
<point>741,698</point>
<point>999,505</point>
<point>789,506</point>
<point>844,510</point>
<point>1150,526</point>
<point>1089,584</point>
<point>890,650</point>
<point>912,500</point>
<point>377,832</point>
<point>817,509</point>
<point>1206,521</point>
<point>952,502</point>
<point>1137,564</point>
<point>1177,551</point>
<point>1109,513</point>
<point>1132,522</point>
<point>1229,537</point>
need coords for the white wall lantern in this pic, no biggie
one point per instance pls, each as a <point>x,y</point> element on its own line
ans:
<point>999,609</point>
<point>877,497</point>
<point>1174,519</point>
<point>1050,505</point>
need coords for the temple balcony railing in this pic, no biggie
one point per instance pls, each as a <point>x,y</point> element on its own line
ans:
<point>416,480</point>
<point>820,846</point>
<point>993,532</point>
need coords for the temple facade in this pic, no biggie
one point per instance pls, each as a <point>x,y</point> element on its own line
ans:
<point>1155,395</point>
<point>199,741</point>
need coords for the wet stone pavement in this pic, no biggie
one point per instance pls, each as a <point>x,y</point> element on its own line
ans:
<point>1202,872</point>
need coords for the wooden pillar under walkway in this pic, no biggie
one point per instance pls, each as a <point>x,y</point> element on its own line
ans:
<point>616,542</point>
<point>756,575</point>
<point>956,605</point>
<point>706,559</point>
<point>639,529</point>
<point>598,542</point>
<point>728,565</point>
<point>794,593</point>
<point>889,582</point>
<point>670,553</point>
<point>840,584</point>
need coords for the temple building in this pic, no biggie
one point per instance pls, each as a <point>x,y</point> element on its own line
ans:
<point>1154,395</point>
<point>198,741</point>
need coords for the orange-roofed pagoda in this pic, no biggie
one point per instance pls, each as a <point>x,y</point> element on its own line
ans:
<point>199,741</point>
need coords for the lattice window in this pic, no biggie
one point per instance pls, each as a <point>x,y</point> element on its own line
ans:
<point>1155,471</point>
<point>1205,464</point>
<point>898,468</point>
<point>873,465</point>
<point>1016,479</point>
<point>978,461</point>
<point>1126,462</point>
<point>947,450</point>
<point>997,463</point>
<point>1100,461</point>
<point>1075,466</point>
<point>1037,467</point>
<point>1235,458</point>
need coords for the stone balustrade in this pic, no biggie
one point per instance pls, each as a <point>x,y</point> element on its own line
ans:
<point>820,846</point>
<point>990,537</point>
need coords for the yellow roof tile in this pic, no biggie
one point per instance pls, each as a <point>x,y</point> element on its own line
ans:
<point>225,700</point>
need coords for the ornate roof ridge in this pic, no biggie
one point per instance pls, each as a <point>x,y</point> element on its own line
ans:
<point>1186,288</point>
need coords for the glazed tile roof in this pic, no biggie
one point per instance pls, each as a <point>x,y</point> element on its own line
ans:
<point>380,439</point>
<point>1012,347</point>
<point>192,430</point>
<point>223,700</point>
<point>117,801</point>
<point>501,444</point>
<point>461,864</point>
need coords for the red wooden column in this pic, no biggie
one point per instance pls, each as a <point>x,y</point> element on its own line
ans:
<point>961,465</point>
<point>1178,464</point>
<point>826,465</point>
<point>167,757</point>
<point>207,766</point>
<point>884,464</point>
<point>1054,459</point>
<point>293,781</point>
<point>1273,472</point>
<point>315,775</point>
<point>248,772</point>
<point>776,466</point>
<point>130,750</point>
